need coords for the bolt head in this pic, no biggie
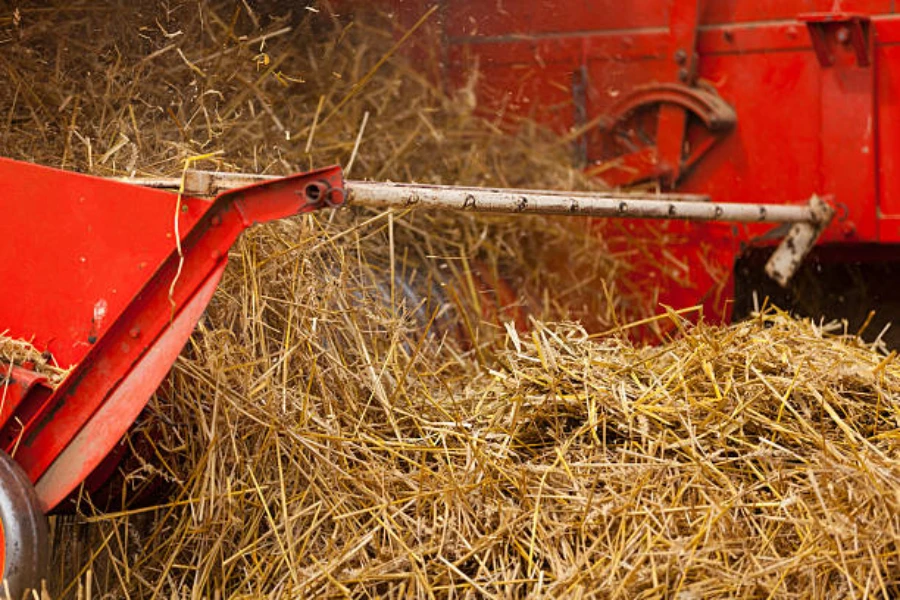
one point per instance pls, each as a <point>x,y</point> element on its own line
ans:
<point>842,35</point>
<point>848,229</point>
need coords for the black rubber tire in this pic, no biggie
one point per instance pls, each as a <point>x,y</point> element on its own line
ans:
<point>25,534</point>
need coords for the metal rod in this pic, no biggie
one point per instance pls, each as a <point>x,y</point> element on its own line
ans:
<point>382,195</point>
<point>689,207</point>
<point>210,183</point>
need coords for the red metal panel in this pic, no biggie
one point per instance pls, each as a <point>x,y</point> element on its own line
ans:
<point>888,32</point>
<point>742,39</point>
<point>465,18</point>
<point>730,38</point>
<point>43,430</point>
<point>526,93</point>
<point>630,46</point>
<point>100,435</point>
<point>847,169</point>
<point>674,263</point>
<point>772,94</point>
<point>889,142</point>
<point>751,11</point>
<point>475,18</point>
<point>570,50</point>
<point>530,79</point>
<point>75,251</point>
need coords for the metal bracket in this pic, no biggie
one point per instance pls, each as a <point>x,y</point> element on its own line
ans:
<point>703,102</point>
<point>828,31</point>
<point>789,255</point>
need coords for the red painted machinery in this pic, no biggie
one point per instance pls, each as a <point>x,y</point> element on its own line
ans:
<point>110,280</point>
<point>743,100</point>
<point>757,105</point>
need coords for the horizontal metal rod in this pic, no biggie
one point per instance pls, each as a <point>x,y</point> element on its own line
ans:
<point>688,207</point>
<point>210,183</point>
<point>382,195</point>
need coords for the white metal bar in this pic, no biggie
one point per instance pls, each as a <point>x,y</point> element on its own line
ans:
<point>689,207</point>
<point>563,203</point>
<point>794,248</point>
<point>210,183</point>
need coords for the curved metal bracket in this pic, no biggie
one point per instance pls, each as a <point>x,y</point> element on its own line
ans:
<point>665,158</point>
<point>702,101</point>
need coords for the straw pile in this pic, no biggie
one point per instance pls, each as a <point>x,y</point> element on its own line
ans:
<point>757,460</point>
<point>352,419</point>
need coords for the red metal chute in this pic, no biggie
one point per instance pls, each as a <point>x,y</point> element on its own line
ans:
<point>110,279</point>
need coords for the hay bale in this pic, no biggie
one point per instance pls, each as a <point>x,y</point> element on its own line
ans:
<point>756,460</point>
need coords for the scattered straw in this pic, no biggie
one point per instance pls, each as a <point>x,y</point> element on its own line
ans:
<point>347,421</point>
<point>22,353</point>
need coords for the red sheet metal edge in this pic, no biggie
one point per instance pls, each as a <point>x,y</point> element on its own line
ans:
<point>51,426</point>
<point>16,384</point>
<point>98,437</point>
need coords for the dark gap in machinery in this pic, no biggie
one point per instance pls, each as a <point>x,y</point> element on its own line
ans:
<point>844,283</point>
